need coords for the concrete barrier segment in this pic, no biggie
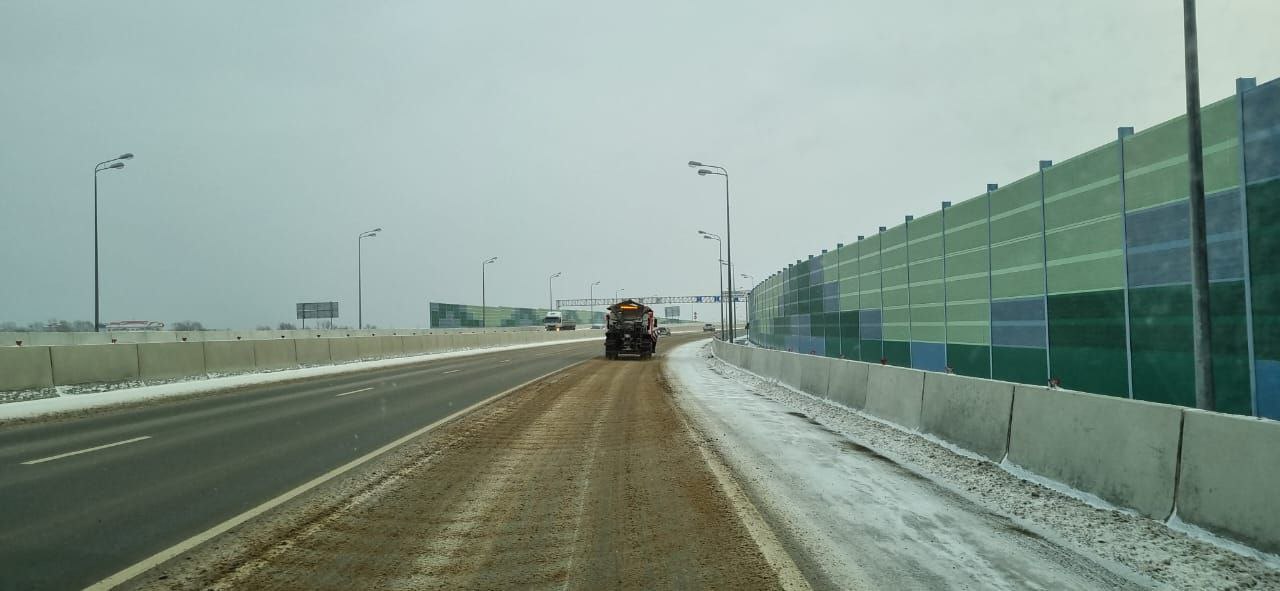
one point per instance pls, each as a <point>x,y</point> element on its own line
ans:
<point>969,412</point>
<point>1124,451</point>
<point>895,394</point>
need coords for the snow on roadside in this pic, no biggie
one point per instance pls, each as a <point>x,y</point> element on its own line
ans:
<point>64,399</point>
<point>823,495</point>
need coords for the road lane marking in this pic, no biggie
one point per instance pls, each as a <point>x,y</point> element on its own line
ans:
<point>83,451</point>
<point>451,371</point>
<point>355,391</point>
<point>505,361</point>
<point>162,556</point>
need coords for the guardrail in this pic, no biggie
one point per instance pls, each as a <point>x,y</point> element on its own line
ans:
<point>1213,470</point>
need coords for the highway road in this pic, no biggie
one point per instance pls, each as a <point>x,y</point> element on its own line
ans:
<point>85,497</point>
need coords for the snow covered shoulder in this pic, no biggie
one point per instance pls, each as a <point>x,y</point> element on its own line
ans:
<point>865,504</point>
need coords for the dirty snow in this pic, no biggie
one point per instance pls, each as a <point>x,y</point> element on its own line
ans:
<point>872,505</point>
<point>75,398</point>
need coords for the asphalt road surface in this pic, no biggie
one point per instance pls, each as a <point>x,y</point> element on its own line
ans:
<point>85,497</point>
<point>588,479</point>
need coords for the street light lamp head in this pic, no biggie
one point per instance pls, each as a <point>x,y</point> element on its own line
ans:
<point>694,164</point>
<point>117,165</point>
<point>704,172</point>
<point>126,156</point>
<point>491,259</point>
<point>376,230</point>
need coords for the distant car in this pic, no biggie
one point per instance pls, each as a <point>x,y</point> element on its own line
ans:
<point>663,331</point>
<point>708,327</point>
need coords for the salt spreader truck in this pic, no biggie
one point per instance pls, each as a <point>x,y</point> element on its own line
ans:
<point>630,329</point>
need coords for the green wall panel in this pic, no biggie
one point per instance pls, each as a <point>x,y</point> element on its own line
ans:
<point>969,360</point>
<point>1017,364</point>
<point>1086,342</point>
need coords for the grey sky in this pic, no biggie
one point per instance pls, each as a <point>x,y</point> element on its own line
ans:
<point>550,134</point>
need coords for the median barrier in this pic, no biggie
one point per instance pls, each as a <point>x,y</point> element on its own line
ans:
<point>848,383</point>
<point>368,347</point>
<point>895,394</point>
<point>433,343</point>
<point>414,344</point>
<point>228,356</point>
<point>1230,475</point>
<point>815,374</point>
<point>25,368</point>
<point>275,354</point>
<point>468,341</point>
<point>170,360</point>
<point>972,413</point>
<point>1124,451</point>
<point>91,364</point>
<point>390,346</point>
<point>343,349</point>
<point>312,351</point>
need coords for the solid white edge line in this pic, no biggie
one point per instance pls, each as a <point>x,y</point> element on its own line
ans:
<point>450,371</point>
<point>83,451</point>
<point>355,391</point>
<point>193,541</point>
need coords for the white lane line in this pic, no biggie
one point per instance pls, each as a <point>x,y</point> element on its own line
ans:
<point>193,541</point>
<point>451,371</point>
<point>355,391</point>
<point>83,451</point>
<point>505,361</point>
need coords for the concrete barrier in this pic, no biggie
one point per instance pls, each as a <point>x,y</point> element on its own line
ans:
<point>25,368</point>
<point>969,412</point>
<point>276,354</point>
<point>848,384</point>
<point>744,357</point>
<point>413,345</point>
<point>789,369</point>
<point>312,351</point>
<point>895,394</point>
<point>368,347</point>
<point>342,349</point>
<point>773,365</point>
<point>815,374</point>
<point>434,343</point>
<point>1230,475</point>
<point>91,364</point>
<point>228,356</point>
<point>1124,451</point>
<point>170,360</point>
<point>391,346</point>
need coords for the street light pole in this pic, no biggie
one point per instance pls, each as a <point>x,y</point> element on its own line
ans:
<point>590,296</point>
<point>113,164</point>
<point>1201,320</point>
<point>703,170</point>
<point>360,275</point>
<point>484,305</point>
<point>751,281</point>
<point>719,276</point>
<point>551,305</point>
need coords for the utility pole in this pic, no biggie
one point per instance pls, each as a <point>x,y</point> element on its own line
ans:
<point>1200,310</point>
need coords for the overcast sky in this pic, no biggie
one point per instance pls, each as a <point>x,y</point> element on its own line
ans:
<point>553,135</point>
